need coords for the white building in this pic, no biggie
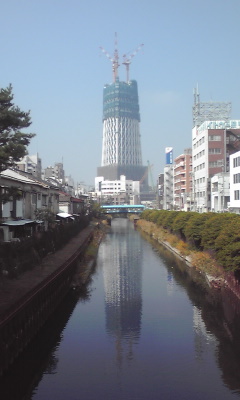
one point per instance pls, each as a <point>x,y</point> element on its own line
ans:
<point>56,172</point>
<point>31,164</point>
<point>234,205</point>
<point>220,192</point>
<point>212,144</point>
<point>168,180</point>
<point>119,191</point>
<point>168,187</point>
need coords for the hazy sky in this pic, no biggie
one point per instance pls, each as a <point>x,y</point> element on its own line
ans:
<point>50,54</point>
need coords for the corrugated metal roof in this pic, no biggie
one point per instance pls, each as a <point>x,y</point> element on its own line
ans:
<point>64,215</point>
<point>19,222</point>
<point>9,173</point>
<point>17,176</point>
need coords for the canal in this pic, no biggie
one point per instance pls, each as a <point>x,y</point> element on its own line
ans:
<point>146,327</point>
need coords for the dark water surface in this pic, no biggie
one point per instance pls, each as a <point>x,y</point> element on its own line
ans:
<point>146,328</point>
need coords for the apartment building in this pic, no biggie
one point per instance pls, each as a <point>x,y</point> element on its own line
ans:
<point>117,191</point>
<point>213,142</point>
<point>31,164</point>
<point>182,177</point>
<point>234,205</point>
<point>168,182</point>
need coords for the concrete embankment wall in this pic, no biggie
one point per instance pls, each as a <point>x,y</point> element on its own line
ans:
<point>226,279</point>
<point>22,319</point>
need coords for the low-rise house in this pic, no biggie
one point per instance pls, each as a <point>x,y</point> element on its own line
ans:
<point>29,195</point>
<point>71,205</point>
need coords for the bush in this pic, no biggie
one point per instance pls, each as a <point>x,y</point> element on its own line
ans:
<point>168,220</point>
<point>180,223</point>
<point>153,215</point>
<point>161,217</point>
<point>183,248</point>
<point>146,215</point>
<point>213,227</point>
<point>193,230</point>
<point>227,246</point>
<point>205,263</point>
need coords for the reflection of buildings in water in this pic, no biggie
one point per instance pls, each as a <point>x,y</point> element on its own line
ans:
<point>40,356</point>
<point>122,271</point>
<point>170,283</point>
<point>201,335</point>
<point>221,317</point>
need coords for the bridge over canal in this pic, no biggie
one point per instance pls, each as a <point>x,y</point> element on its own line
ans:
<point>123,208</point>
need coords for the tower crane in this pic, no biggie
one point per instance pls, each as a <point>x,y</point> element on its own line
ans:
<point>151,177</point>
<point>148,172</point>
<point>114,59</point>
<point>127,59</point>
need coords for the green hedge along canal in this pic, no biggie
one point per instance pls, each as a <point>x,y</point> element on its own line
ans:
<point>146,327</point>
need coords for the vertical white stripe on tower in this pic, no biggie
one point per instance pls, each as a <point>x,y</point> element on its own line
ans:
<point>121,142</point>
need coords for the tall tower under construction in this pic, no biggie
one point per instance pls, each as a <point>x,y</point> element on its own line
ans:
<point>121,145</point>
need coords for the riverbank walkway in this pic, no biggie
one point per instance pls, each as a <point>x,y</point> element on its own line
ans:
<point>13,290</point>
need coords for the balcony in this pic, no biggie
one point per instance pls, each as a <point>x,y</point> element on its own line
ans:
<point>180,164</point>
<point>180,172</point>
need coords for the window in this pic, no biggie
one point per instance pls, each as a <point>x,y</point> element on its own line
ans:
<point>44,200</point>
<point>236,178</point>
<point>236,162</point>
<point>215,151</point>
<point>34,198</point>
<point>236,195</point>
<point>214,138</point>
<point>214,164</point>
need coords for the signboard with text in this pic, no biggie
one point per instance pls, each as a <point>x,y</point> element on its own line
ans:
<point>169,155</point>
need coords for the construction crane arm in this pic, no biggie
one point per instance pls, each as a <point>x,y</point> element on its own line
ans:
<point>127,59</point>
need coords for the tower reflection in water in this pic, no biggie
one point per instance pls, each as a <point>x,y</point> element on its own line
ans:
<point>122,272</point>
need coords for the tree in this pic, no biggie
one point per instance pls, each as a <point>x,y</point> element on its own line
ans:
<point>193,229</point>
<point>45,215</point>
<point>13,142</point>
<point>228,246</point>
<point>180,223</point>
<point>213,227</point>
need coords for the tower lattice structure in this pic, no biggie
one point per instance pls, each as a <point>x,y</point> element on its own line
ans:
<point>209,111</point>
<point>121,144</point>
<point>121,134</point>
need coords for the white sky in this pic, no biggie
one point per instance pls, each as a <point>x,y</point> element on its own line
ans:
<point>50,53</point>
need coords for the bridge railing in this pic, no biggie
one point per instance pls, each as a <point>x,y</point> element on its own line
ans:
<point>125,208</point>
